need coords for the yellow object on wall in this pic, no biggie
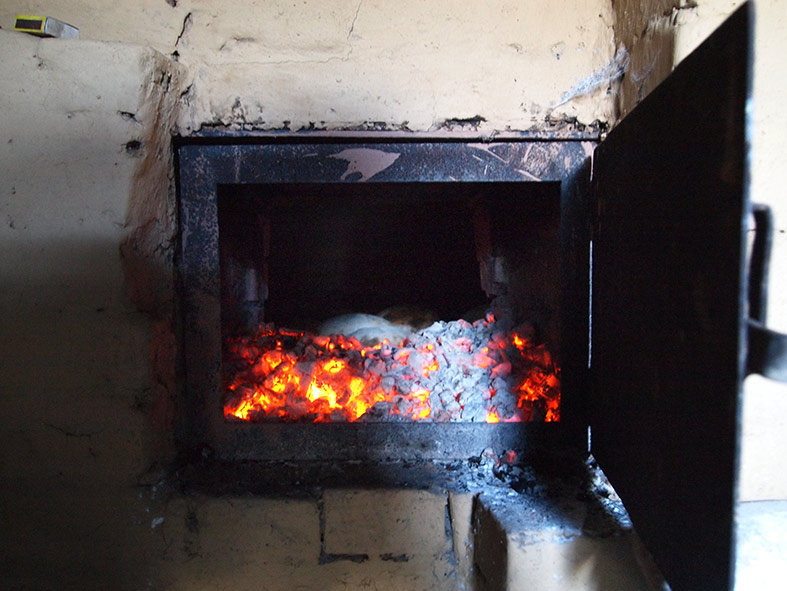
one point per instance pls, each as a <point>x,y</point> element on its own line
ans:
<point>44,26</point>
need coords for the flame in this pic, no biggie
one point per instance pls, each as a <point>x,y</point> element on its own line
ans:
<point>430,366</point>
<point>421,398</point>
<point>292,376</point>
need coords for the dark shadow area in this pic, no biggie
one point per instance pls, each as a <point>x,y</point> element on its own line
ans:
<point>490,550</point>
<point>295,254</point>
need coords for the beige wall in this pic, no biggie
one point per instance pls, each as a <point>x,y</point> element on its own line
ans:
<point>78,429</point>
<point>84,166</point>
<point>347,63</point>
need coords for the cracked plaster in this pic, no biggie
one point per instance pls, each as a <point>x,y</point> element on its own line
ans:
<point>347,64</point>
<point>410,66</point>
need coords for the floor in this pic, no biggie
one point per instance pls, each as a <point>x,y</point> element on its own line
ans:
<point>762,545</point>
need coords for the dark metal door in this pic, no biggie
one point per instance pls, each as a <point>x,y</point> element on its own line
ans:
<point>667,308</point>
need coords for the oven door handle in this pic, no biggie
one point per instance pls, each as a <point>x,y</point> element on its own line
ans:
<point>767,349</point>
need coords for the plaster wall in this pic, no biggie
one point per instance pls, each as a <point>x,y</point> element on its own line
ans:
<point>77,125</point>
<point>370,63</point>
<point>87,221</point>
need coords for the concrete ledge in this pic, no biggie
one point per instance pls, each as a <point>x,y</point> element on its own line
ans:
<point>550,545</point>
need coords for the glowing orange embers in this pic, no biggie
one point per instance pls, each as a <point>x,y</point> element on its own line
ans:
<point>451,371</point>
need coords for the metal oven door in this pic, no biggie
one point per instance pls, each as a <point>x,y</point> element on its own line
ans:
<point>668,308</point>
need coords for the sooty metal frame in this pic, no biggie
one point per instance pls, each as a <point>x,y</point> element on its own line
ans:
<point>208,163</point>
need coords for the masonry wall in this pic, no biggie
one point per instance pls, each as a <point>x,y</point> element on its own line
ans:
<point>78,435</point>
<point>86,238</point>
<point>86,222</point>
<point>370,63</point>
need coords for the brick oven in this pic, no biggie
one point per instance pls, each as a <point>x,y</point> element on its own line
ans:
<point>626,257</point>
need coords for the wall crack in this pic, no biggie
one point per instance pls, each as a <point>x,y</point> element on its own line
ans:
<point>69,433</point>
<point>186,25</point>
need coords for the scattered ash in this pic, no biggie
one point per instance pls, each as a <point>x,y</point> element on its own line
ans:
<point>546,496</point>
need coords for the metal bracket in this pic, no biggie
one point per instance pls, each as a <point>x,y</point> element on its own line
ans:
<point>767,349</point>
<point>767,353</point>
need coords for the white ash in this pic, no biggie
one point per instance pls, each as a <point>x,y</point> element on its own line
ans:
<point>459,389</point>
<point>367,328</point>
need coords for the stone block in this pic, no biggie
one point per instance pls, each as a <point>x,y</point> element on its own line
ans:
<point>390,523</point>
<point>517,546</point>
<point>580,563</point>
<point>249,529</point>
<point>231,542</point>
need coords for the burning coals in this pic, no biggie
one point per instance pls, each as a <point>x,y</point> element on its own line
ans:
<point>451,371</point>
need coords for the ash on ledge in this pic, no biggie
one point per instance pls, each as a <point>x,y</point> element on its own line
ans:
<point>484,371</point>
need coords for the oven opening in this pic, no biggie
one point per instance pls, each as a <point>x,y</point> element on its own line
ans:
<point>390,302</point>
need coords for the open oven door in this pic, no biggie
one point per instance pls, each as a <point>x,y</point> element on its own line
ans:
<point>668,306</point>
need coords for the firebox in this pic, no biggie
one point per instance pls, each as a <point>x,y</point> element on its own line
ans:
<point>624,259</point>
<point>417,299</point>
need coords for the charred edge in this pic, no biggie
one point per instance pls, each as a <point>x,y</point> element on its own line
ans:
<point>379,126</point>
<point>186,94</point>
<point>128,116</point>
<point>573,124</point>
<point>472,122</point>
<point>357,558</point>
<point>321,517</point>
<point>165,80</point>
<point>478,577</point>
<point>449,521</point>
<point>134,148</point>
<point>325,557</point>
<point>450,553</point>
<point>674,10</point>
<point>311,126</point>
<point>394,557</point>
